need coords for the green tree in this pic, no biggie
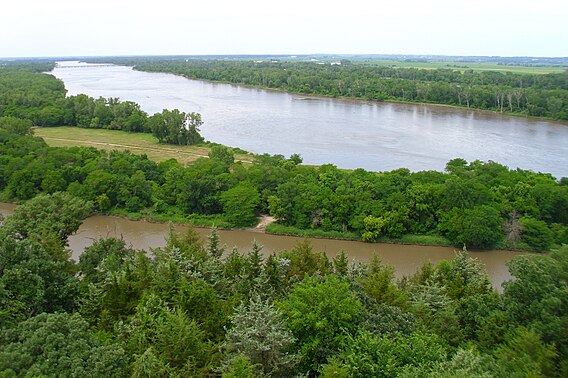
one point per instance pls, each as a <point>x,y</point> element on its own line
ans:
<point>239,204</point>
<point>59,345</point>
<point>320,313</point>
<point>16,125</point>
<point>258,332</point>
<point>538,296</point>
<point>368,355</point>
<point>535,233</point>
<point>58,214</point>
<point>225,154</point>
<point>478,227</point>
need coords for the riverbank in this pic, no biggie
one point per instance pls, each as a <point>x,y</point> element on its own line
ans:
<point>358,99</point>
<point>270,226</point>
<point>405,259</point>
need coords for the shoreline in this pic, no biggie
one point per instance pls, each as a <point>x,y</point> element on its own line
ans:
<point>361,100</point>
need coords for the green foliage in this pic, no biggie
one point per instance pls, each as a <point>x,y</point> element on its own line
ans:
<point>225,154</point>
<point>175,127</point>
<point>379,286</point>
<point>110,252</point>
<point>536,233</point>
<point>321,313</point>
<point>239,204</point>
<point>525,352</point>
<point>240,367</point>
<point>175,339</point>
<point>373,228</point>
<point>478,227</point>
<point>372,356</point>
<point>33,280</point>
<point>59,345</point>
<point>58,215</point>
<point>258,332</point>
<point>302,260</point>
<point>16,125</point>
<point>538,296</point>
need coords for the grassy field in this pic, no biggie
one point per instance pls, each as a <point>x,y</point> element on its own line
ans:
<point>137,143</point>
<point>462,66</point>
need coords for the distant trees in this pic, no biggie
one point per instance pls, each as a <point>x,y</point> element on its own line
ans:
<point>175,127</point>
<point>479,204</point>
<point>528,94</point>
<point>29,98</point>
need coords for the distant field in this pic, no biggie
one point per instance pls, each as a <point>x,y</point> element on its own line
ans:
<point>464,66</point>
<point>119,140</point>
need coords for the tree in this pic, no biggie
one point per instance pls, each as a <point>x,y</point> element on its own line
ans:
<point>478,227</point>
<point>239,204</point>
<point>58,345</point>
<point>58,214</point>
<point>112,251</point>
<point>16,125</point>
<point>33,279</point>
<point>258,332</point>
<point>214,248</point>
<point>173,337</point>
<point>538,296</point>
<point>175,127</point>
<point>535,233</point>
<point>369,355</point>
<point>320,313</point>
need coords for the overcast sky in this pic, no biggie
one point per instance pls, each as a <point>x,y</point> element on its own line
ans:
<point>158,27</point>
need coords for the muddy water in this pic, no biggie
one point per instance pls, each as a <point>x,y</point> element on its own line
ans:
<point>404,258</point>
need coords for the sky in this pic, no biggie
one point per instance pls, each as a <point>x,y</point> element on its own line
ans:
<point>40,28</point>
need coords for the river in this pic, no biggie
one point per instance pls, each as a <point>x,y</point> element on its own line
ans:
<point>405,259</point>
<point>349,134</point>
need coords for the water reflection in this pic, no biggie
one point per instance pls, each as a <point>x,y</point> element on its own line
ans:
<point>349,134</point>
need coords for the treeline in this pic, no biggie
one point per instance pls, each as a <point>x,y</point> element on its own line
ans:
<point>483,205</point>
<point>194,310</point>
<point>40,98</point>
<point>479,204</point>
<point>528,94</point>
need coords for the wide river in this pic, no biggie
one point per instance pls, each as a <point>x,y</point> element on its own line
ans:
<point>349,134</point>
<point>405,259</point>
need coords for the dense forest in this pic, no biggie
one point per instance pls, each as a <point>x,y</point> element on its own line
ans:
<point>40,99</point>
<point>477,204</point>
<point>193,309</point>
<point>527,94</point>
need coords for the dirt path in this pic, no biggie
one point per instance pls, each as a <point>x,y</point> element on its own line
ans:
<point>264,221</point>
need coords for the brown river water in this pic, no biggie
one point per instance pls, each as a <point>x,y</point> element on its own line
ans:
<point>405,259</point>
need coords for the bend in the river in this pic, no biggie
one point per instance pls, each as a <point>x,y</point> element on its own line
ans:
<point>349,134</point>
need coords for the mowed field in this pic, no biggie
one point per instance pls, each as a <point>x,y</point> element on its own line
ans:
<point>462,66</point>
<point>138,143</point>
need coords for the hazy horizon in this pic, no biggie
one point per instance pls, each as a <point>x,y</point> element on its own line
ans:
<point>65,28</point>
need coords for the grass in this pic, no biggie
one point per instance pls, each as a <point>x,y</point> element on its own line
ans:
<point>139,143</point>
<point>280,229</point>
<point>462,66</point>
<point>197,220</point>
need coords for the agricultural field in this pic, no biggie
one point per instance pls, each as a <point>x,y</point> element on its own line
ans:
<point>139,143</point>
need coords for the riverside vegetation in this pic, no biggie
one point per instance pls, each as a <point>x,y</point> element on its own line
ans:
<point>535,95</point>
<point>481,205</point>
<point>193,309</point>
<point>189,312</point>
